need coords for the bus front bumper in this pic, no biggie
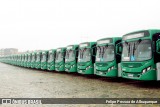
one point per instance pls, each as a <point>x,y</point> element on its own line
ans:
<point>111,73</point>
<point>149,75</point>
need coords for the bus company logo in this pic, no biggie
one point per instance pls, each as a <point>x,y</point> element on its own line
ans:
<point>6,101</point>
<point>20,101</point>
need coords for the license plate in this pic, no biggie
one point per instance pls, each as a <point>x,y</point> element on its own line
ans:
<point>130,75</point>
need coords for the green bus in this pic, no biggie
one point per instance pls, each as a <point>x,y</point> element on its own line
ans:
<point>38,60</point>
<point>71,58</point>
<point>107,57</point>
<point>25,60</point>
<point>33,60</point>
<point>19,60</point>
<point>44,60</point>
<point>51,60</point>
<point>60,59</point>
<point>86,58</point>
<point>15,59</point>
<point>15,62</point>
<point>29,60</point>
<point>140,55</point>
<point>22,61</point>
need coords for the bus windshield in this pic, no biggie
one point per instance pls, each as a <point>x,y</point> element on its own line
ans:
<point>44,58</point>
<point>50,57</point>
<point>59,56</point>
<point>29,58</point>
<point>84,55</point>
<point>26,58</point>
<point>105,53</point>
<point>33,58</point>
<point>22,58</point>
<point>38,58</point>
<point>70,56</point>
<point>137,51</point>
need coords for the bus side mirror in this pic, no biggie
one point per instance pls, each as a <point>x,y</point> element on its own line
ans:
<point>119,48</point>
<point>77,53</point>
<point>94,51</point>
<point>158,46</point>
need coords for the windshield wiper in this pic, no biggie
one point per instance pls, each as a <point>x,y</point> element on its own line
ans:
<point>99,50</point>
<point>80,54</point>
<point>104,48</point>
<point>135,46</point>
<point>128,45</point>
<point>67,54</point>
<point>83,52</point>
<point>57,55</point>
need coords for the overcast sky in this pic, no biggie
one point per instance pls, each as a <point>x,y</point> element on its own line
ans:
<point>49,24</point>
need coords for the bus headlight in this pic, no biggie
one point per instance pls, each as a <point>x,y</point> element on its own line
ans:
<point>79,67</point>
<point>61,66</point>
<point>72,66</point>
<point>146,69</point>
<point>88,67</point>
<point>112,67</point>
<point>109,69</point>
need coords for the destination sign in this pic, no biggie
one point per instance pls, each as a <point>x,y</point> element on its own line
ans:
<point>83,45</point>
<point>58,49</point>
<point>136,35</point>
<point>104,41</point>
<point>69,47</point>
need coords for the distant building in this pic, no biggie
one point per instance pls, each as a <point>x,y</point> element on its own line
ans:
<point>8,51</point>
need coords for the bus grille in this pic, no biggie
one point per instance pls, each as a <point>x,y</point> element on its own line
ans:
<point>101,64</point>
<point>134,65</point>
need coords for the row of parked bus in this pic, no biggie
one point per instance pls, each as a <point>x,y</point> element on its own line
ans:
<point>135,55</point>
